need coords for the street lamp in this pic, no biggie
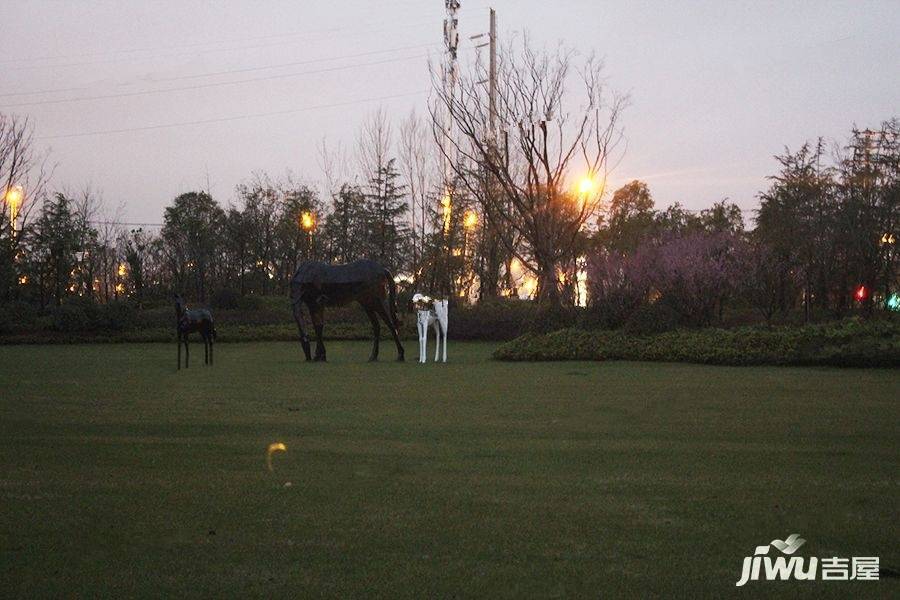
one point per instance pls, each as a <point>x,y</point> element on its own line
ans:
<point>14,197</point>
<point>307,221</point>
<point>446,209</point>
<point>470,219</point>
<point>308,224</point>
<point>470,222</point>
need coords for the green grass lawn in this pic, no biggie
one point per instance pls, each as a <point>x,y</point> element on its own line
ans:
<point>120,476</point>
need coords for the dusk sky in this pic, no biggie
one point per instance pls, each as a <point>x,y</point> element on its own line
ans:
<point>717,88</point>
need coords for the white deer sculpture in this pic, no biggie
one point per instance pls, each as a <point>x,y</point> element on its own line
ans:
<point>431,314</point>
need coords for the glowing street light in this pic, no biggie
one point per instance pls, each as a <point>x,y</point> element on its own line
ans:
<point>470,219</point>
<point>446,210</point>
<point>307,221</point>
<point>888,239</point>
<point>14,197</point>
<point>308,224</point>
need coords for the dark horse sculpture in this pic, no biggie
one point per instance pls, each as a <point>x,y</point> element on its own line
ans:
<point>189,321</point>
<point>318,285</point>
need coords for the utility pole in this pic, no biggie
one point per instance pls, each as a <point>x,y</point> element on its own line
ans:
<point>491,255</point>
<point>490,133</point>
<point>450,76</point>
<point>492,76</point>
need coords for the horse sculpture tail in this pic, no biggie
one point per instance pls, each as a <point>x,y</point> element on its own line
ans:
<point>392,294</point>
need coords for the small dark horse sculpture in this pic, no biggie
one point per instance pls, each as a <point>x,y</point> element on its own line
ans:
<point>318,285</point>
<point>188,321</point>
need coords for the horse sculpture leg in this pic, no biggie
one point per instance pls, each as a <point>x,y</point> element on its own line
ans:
<point>392,326</point>
<point>317,312</point>
<point>423,336</point>
<point>443,317</point>
<point>376,333</point>
<point>205,349</point>
<point>178,343</point>
<point>187,352</point>
<point>436,325</point>
<point>212,338</point>
<point>298,317</point>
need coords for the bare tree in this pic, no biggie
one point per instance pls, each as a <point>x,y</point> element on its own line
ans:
<point>96,255</point>
<point>418,169</point>
<point>334,164</point>
<point>24,172</point>
<point>374,143</point>
<point>544,138</point>
<point>21,165</point>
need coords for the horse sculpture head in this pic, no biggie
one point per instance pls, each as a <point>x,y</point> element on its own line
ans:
<point>179,304</point>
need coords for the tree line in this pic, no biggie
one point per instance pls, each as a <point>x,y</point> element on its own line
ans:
<point>824,242</point>
<point>483,198</point>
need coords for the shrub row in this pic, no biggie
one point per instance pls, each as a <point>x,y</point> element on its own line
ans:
<point>849,344</point>
<point>267,319</point>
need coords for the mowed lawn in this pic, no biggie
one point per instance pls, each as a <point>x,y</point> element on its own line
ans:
<point>120,476</point>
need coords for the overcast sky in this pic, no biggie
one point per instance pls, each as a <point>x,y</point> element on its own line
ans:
<point>717,87</point>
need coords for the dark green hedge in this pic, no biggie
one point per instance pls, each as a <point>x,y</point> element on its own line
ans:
<point>848,343</point>
<point>263,319</point>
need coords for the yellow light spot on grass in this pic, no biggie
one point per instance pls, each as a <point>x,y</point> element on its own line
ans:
<point>273,448</point>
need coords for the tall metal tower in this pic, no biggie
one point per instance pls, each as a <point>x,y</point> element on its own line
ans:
<point>490,79</point>
<point>450,75</point>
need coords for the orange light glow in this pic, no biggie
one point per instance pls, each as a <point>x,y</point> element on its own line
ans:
<point>14,197</point>
<point>446,210</point>
<point>307,221</point>
<point>123,270</point>
<point>15,194</point>
<point>470,219</point>
<point>587,186</point>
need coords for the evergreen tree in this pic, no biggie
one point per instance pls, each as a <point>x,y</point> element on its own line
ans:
<point>55,242</point>
<point>389,233</point>
<point>346,226</point>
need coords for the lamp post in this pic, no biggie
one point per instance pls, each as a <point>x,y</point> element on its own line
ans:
<point>469,223</point>
<point>308,224</point>
<point>14,198</point>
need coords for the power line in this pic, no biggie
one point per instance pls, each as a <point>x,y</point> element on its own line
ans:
<point>126,224</point>
<point>301,35</point>
<point>233,118</point>
<point>242,70</point>
<point>367,32</point>
<point>209,85</point>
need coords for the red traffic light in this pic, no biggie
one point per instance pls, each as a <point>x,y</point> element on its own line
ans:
<point>862,293</point>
